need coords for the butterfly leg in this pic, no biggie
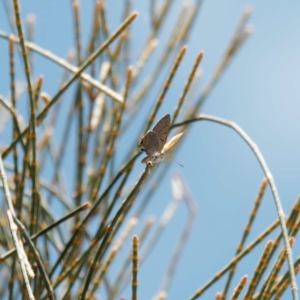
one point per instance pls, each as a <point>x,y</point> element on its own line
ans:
<point>152,164</point>
<point>153,161</point>
<point>150,161</point>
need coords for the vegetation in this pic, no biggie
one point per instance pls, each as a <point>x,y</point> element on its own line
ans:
<point>57,244</point>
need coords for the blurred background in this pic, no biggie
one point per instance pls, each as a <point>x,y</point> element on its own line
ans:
<point>259,91</point>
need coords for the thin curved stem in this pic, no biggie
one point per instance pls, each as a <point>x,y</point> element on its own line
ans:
<point>68,66</point>
<point>270,179</point>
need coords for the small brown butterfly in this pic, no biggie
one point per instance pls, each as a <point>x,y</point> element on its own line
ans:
<point>154,140</point>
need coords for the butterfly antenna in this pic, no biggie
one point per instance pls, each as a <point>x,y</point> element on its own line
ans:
<point>176,161</point>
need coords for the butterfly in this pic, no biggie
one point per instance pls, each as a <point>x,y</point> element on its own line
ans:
<point>154,140</point>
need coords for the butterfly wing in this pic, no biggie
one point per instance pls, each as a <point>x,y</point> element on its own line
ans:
<point>150,143</point>
<point>162,129</point>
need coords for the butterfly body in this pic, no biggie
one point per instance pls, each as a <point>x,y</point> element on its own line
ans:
<point>154,140</point>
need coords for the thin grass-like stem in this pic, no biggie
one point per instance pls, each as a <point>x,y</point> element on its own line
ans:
<point>100,50</point>
<point>187,86</point>
<point>180,188</point>
<point>268,284</point>
<point>270,179</point>
<point>170,47</point>
<point>12,111</point>
<point>95,30</point>
<point>33,168</point>
<point>115,133</point>
<point>110,229</point>
<point>239,288</point>
<point>13,227</point>
<point>123,270</point>
<point>7,195</point>
<point>83,207</point>
<point>61,150</point>
<point>15,150</point>
<point>291,223</point>
<point>194,13</point>
<point>81,147</point>
<point>167,216</point>
<point>231,51</point>
<point>80,227</point>
<point>126,44</point>
<point>246,232</point>
<point>16,127</point>
<point>284,282</point>
<point>88,61</point>
<point>135,267</point>
<point>23,50</point>
<point>235,260</point>
<point>68,66</point>
<point>37,258</point>
<point>166,86</point>
<point>76,9</point>
<point>260,268</point>
<point>111,256</point>
<point>159,19</point>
